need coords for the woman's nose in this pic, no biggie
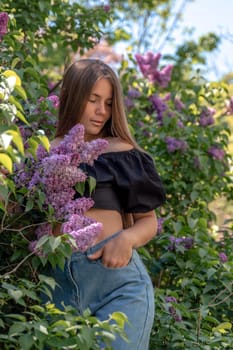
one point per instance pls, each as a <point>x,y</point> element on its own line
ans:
<point>101,108</point>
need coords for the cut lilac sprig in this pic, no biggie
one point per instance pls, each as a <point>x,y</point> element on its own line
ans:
<point>56,173</point>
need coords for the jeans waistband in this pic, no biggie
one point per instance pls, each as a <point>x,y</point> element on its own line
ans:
<point>100,244</point>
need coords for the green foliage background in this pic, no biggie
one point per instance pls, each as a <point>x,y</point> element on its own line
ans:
<point>42,38</point>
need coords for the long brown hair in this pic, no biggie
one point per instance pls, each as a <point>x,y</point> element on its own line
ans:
<point>77,84</point>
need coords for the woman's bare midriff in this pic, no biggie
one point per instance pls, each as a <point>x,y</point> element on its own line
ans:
<point>111,220</point>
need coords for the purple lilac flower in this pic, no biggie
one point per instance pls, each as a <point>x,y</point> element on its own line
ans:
<point>179,105</point>
<point>170,299</point>
<point>44,229</point>
<point>223,257</point>
<point>216,153</point>
<point>79,206</point>
<point>91,150</point>
<point>159,105</point>
<point>148,64</point>
<point>180,124</point>
<point>58,201</point>
<point>140,124</point>
<point>54,99</point>
<point>41,153</point>
<point>172,310</point>
<point>128,103</point>
<point>160,225</point>
<point>164,76</point>
<point>206,117</point>
<point>56,173</point>
<point>83,229</point>
<point>177,318</point>
<point>133,93</point>
<point>174,144</point>
<point>72,142</point>
<point>4,18</point>
<point>185,242</point>
<point>106,8</point>
<point>32,246</point>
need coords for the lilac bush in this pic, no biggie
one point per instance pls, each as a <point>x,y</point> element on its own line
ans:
<point>181,125</point>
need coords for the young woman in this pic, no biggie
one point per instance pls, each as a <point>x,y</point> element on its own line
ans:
<point>110,276</point>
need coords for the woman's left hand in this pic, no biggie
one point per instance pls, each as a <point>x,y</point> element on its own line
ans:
<point>116,253</point>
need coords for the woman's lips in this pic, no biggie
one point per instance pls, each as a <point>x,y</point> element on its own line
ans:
<point>97,122</point>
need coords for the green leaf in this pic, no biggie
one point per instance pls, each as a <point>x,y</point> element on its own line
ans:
<point>54,242</point>
<point>31,71</point>
<point>202,252</point>
<point>21,92</point>
<point>6,161</point>
<point>92,183</point>
<point>194,195</point>
<point>13,100</point>
<point>45,141</point>
<point>29,204</point>
<point>120,318</point>
<point>223,327</point>
<point>177,226</point>
<point>4,192</point>
<point>192,222</point>
<point>80,188</point>
<point>42,241</point>
<point>21,117</point>
<point>17,328</point>
<point>15,61</point>
<point>26,341</point>
<point>16,294</point>
<point>17,317</point>
<point>17,139</point>
<point>204,311</point>
<point>210,272</point>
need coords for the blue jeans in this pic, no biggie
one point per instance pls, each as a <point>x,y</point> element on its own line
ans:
<point>86,283</point>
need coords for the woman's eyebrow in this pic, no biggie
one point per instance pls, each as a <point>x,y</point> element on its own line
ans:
<point>96,95</point>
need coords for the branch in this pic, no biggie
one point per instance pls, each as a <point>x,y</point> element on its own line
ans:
<point>17,266</point>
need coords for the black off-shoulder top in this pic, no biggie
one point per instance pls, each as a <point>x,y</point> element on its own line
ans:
<point>126,181</point>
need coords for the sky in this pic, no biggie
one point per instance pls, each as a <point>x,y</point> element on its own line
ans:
<point>215,16</point>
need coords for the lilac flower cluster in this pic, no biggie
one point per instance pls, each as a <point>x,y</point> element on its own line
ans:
<point>184,242</point>
<point>131,95</point>
<point>172,310</point>
<point>174,144</point>
<point>160,225</point>
<point>206,117</point>
<point>216,153</point>
<point>159,105</point>
<point>107,8</point>
<point>53,99</point>
<point>56,173</point>
<point>179,105</point>
<point>4,18</point>
<point>148,65</point>
<point>223,257</point>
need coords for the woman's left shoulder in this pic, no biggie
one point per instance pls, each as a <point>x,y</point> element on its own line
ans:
<point>116,144</point>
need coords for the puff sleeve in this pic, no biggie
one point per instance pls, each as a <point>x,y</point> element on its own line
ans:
<point>138,184</point>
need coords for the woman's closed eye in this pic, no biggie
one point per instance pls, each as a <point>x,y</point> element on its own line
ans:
<point>107,103</point>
